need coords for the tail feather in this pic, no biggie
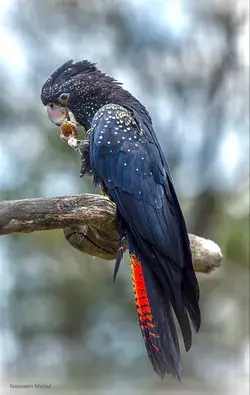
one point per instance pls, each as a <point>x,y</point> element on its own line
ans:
<point>156,321</point>
<point>160,288</point>
<point>191,296</point>
<point>171,280</point>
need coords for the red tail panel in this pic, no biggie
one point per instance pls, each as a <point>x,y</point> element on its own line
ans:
<point>146,320</point>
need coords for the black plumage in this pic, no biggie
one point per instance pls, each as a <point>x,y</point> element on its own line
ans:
<point>126,158</point>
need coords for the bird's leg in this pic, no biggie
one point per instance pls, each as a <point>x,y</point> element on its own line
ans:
<point>69,133</point>
<point>79,145</point>
<point>82,145</point>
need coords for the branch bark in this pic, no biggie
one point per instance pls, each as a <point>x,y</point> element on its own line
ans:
<point>89,223</point>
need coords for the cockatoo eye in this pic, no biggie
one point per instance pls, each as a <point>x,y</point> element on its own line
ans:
<point>63,98</point>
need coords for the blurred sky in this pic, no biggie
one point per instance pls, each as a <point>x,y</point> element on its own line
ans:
<point>170,15</point>
<point>167,15</point>
<point>226,170</point>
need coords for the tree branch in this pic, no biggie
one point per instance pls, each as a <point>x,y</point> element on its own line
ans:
<point>89,224</point>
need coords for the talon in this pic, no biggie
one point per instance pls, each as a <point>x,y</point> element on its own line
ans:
<point>72,142</point>
<point>65,137</point>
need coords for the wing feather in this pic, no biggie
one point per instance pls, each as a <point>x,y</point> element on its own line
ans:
<point>131,164</point>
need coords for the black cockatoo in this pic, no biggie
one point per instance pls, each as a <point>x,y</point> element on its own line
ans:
<point>124,156</point>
